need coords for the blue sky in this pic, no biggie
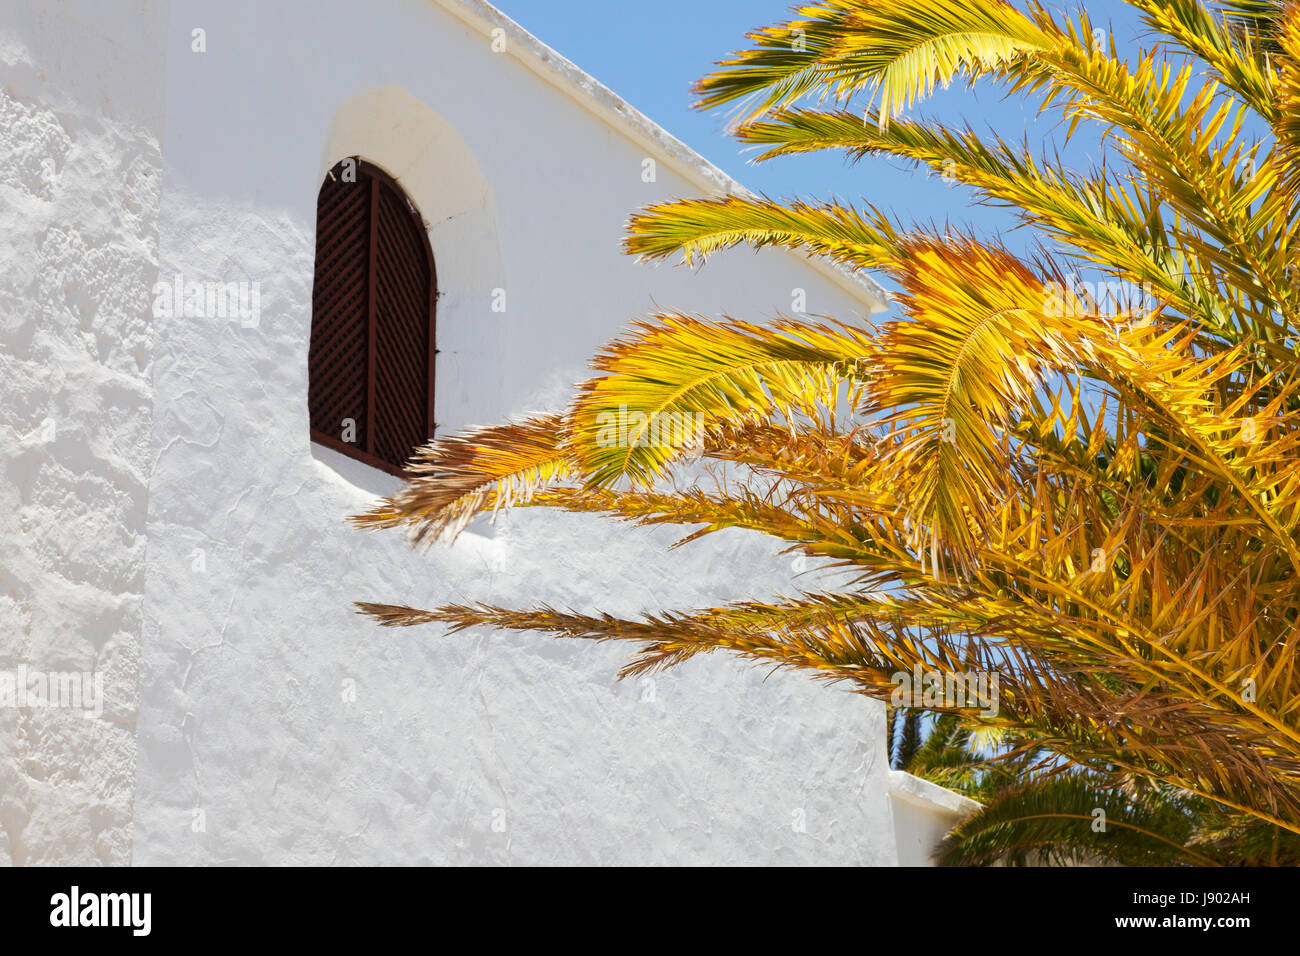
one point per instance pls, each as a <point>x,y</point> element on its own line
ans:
<point>651,53</point>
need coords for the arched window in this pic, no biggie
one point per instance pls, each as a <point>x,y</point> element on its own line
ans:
<point>371,361</point>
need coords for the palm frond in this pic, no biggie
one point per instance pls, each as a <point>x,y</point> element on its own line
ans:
<point>695,228</point>
<point>1069,819</point>
<point>897,51</point>
<point>664,388</point>
<point>454,479</point>
<point>1101,506</point>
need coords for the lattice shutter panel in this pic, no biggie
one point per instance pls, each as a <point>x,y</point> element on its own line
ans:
<point>337,359</point>
<point>372,342</point>
<point>401,318</point>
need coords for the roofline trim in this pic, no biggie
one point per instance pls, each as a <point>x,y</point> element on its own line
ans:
<point>607,105</point>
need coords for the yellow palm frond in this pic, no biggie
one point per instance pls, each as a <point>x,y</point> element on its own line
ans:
<point>894,49</point>
<point>954,376</point>
<point>1092,217</point>
<point>453,479</point>
<point>1100,505</point>
<point>1286,126</point>
<point>697,227</point>
<point>664,388</point>
<point>1234,56</point>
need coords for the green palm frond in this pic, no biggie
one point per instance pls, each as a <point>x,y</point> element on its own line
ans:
<point>1069,819</point>
<point>1258,18</point>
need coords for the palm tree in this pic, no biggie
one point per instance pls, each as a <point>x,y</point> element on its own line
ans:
<point>1098,505</point>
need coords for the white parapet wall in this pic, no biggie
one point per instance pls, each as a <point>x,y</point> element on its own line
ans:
<point>923,813</point>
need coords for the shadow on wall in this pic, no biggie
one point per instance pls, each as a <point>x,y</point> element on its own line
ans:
<point>360,475</point>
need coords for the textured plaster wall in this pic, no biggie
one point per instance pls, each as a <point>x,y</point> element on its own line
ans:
<point>278,727</point>
<point>270,724</point>
<point>80,127</point>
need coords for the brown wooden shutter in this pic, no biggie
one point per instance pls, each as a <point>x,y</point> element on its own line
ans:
<point>371,357</point>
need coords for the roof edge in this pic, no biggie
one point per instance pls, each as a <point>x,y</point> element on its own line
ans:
<point>607,105</point>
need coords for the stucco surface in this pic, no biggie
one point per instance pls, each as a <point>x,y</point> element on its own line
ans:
<point>272,724</point>
<point>276,725</point>
<point>79,189</point>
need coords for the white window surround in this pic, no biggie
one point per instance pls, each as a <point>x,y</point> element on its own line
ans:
<point>390,128</point>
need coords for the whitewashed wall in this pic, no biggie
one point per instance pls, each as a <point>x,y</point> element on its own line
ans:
<point>275,726</point>
<point>80,126</point>
<point>477,748</point>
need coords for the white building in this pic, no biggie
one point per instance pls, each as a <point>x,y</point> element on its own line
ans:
<point>168,523</point>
